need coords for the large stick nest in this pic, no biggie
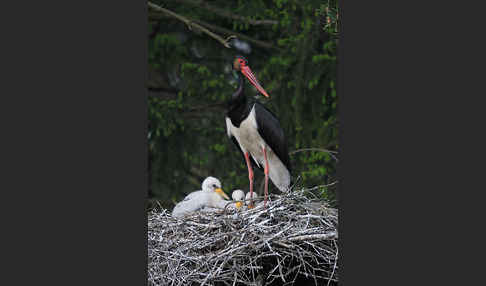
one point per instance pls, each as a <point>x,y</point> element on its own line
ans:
<point>292,240</point>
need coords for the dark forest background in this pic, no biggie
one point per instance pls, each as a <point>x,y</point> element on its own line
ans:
<point>290,46</point>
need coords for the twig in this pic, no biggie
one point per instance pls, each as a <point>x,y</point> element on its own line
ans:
<point>334,268</point>
<point>259,43</point>
<point>313,149</point>
<point>322,186</point>
<point>316,149</point>
<point>189,23</point>
<point>332,235</point>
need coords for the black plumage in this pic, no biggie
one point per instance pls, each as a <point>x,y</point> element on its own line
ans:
<point>272,133</point>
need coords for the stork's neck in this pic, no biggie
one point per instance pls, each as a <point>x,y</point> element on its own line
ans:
<point>239,106</point>
<point>239,94</point>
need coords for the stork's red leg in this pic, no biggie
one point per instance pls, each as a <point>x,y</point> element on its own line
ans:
<point>250,176</point>
<point>266,177</point>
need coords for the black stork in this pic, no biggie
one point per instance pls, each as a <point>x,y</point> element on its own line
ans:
<point>256,131</point>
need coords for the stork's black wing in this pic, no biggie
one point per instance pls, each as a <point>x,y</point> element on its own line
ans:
<point>270,130</point>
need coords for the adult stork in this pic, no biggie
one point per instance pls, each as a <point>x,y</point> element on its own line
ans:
<point>257,133</point>
<point>211,196</point>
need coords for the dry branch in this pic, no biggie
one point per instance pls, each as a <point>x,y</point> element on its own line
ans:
<point>294,237</point>
<point>231,34</point>
<point>190,23</point>
<point>259,43</point>
<point>331,153</point>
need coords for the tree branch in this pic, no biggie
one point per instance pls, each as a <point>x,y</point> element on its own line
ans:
<point>312,149</point>
<point>238,35</point>
<point>227,14</point>
<point>231,33</point>
<point>190,23</point>
<point>315,149</point>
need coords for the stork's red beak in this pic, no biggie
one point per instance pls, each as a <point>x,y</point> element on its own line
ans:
<point>251,77</point>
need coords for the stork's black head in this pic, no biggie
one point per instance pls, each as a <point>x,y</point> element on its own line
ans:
<point>240,64</point>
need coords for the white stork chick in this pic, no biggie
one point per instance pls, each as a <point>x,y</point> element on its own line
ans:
<point>238,202</point>
<point>238,196</point>
<point>248,197</point>
<point>211,196</point>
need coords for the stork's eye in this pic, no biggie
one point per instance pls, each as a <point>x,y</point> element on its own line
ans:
<point>214,186</point>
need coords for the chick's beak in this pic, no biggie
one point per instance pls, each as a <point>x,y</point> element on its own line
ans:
<point>221,193</point>
<point>239,205</point>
